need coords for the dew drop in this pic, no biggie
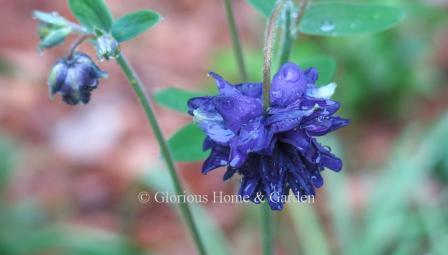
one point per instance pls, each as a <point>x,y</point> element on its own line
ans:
<point>327,26</point>
<point>277,94</point>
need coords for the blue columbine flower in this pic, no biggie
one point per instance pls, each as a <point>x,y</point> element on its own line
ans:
<point>75,77</point>
<point>274,151</point>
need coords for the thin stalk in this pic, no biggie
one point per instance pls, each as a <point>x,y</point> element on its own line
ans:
<point>77,43</point>
<point>137,85</point>
<point>287,42</point>
<point>269,40</point>
<point>266,219</point>
<point>267,225</point>
<point>235,40</point>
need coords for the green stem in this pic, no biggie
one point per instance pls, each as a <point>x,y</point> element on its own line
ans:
<point>166,153</point>
<point>267,225</point>
<point>235,40</point>
<point>287,42</point>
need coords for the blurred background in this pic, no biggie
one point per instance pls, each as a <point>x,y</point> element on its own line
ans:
<point>69,176</point>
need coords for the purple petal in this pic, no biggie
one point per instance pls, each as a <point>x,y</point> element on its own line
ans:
<point>225,87</point>
<point>249,187</point>
<point>252,137</point>
<point>288,85</point>
<point>317,180</point>
<point>197,102</point>
<point>285,121</point>
<point>218,157</point>
<point>254,90</point>
<point>327,159</point>
<point>229,173</point>
<point>273,171</point>
<point>324,125</point>
<point>298,139</point>
<point>238,109</point>
<point>207,144</point>
<point>237,158</point>
<point>209,120</point>
<point>312,75</point>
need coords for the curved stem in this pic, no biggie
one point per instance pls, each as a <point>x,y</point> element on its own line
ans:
<point>235,40</point>
<point>166,153</point>
<point>269,40</point>
<point>77,43</point>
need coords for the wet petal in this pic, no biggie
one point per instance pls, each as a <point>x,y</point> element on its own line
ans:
<point>327,159</point>
<point>324,125</point>
<point>225,87</point>
<point>312,75</point>
<point>198,102</point>
<point>238,109</point>
<point>288,85</point>
<point>218,157</point>
<point>298,139</point>
<point>229,173</point>
<point>254,90</point>
<point>285,121</point>
<point>252,137</point>
<point>273,172</point>
<point>207,144</point>
<point>317,180</point>
<point>209,120</point>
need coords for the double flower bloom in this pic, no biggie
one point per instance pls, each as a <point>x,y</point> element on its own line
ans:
<point>274,151</point>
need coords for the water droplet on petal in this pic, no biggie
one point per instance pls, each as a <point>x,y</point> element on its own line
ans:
<point>277,94</point>
<point>327,26</point>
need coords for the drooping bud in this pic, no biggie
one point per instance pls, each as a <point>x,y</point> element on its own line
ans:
<point>75,77</point>
<point>107,47</point>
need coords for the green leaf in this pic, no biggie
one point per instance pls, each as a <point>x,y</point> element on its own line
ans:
<point>265,7</point>
<point>133,24</point>
<point>92,14</point>
<point>186,144</point>
<point>52,18</point>
<point>326,66</point>
<point>338,19</point>
<point>175,99</point>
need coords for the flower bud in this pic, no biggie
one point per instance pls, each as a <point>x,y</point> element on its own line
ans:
<point>107,47</point>
<point>52,29</point>
<point>51,36</point>
<point>75,77</point>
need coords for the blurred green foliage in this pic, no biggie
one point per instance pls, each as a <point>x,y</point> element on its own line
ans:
<point>386,73</point>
